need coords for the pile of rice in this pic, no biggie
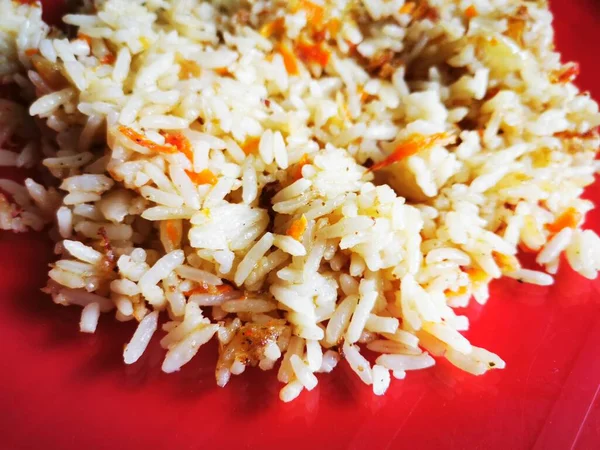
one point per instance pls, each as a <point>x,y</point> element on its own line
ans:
<point>300,180</point>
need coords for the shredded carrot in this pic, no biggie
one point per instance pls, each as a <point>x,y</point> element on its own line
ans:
<point>29,2</point>
<point>223,71</point>
<point>205,288</point>
<point>471,12</point>
<point>172,232</point>
<point>142,140</point>
<point>515,29</point>
<point>593,133</point>
<point>333,26</point>
<point>313,53</point>
<point>460,292</point>
<point>299,165</point>
<point>314,12</point>
<point>86,38</point>
<point>204,177</point>
<point>31,51</point>
<point>250,147</point>
<point>566,74</point>
<point>180,142</point>
<point>275,28</point>
<point>476,275</point>
<point>412,145</point>
<point>407,8</point>
<point>109,58</point>
<point>506,263</point>
<point>289,60</point>
<point>189,69</point>
<point>568,219</point>
<point>297,228</point>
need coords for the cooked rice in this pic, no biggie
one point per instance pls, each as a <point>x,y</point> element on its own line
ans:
<point>300,179</point>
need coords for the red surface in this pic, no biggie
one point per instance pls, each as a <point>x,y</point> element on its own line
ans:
<point>60,389</point>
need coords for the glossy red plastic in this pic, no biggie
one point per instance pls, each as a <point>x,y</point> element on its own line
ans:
<point>60,389</point>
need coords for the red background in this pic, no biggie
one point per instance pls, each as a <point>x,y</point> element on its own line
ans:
<point>60,389</point>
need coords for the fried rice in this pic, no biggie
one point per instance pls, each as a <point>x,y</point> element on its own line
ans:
<point>300,180</point>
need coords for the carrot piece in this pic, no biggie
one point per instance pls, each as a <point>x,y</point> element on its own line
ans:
<point>250,147</point>
<point>476,275</point>
<point>173,233</point>
<point>333,26</point>
<point>289,60</point>
<point>109,58</point>
<point>142,140</point>
<point>31,51</point>
<point>407,8</point>
<point>180,142</point>
<point>204,177</point>
<point>471,12</point>
<point>568,219</point>
<point>412,145</point>
<point>299,165</point>
<point>515,30</point>
<point>314,12</point>
<point>297,228</point>
<point>566,74</point>
<point>223,71</point>
<point>313,53</point>
<point>461,291</point>
<point>86,38</point>
<point>189,69</point>
<point>568,134</point>
<point>506,263</point>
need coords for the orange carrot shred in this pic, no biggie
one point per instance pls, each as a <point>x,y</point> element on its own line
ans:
<point>289,60</point>
<point>180,142</point>
<point>313,53</point>
<point>86,38</point>
<point>204,177</point>
<point>31,51</point>
<point>172,232</point>
<point>566,74</point>
<point>461,291</point>
<point>299,165</point>
<point>314,12</point>
<point>407,8</point>
<point>471,12</point>
<point>250,147</point>
<point>297,228</point>
<point>333,27</point>
<point>142,140</point>
<point>568,219</point>
<point>189,69</point>
<point>568,134</point>
<point>506,263</point>
<point>476,275</point>
<point>412,145</point>
<point>223,71</point>
<point>109,58</point>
